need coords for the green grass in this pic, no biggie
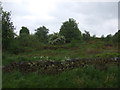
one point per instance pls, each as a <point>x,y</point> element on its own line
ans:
<point>59,54</point>
<point>87,77</point>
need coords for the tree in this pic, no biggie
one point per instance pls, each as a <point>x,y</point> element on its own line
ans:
<point>56,38</point>
<point>102,37</point>
<point>7,30</point>
<point>116,37</point>
<point>94,36</point>
<point>108,38</point>
<point>23,39</point>
<point>24,30</point>
<point>70,30</point>
<point>86,36</point>
<point>42,34</point>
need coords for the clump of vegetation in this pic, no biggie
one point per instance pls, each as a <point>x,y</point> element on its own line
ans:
<point>24,30</point>
<point>7,31</point>
<point>86,77</point>
<point>56,39</point>
<point>70,30</point>
<point>86,36</point>
<point>42,34</point>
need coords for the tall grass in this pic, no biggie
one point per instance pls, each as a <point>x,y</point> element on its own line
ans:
<point>87,77</point>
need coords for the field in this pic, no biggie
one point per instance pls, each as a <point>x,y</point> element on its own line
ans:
<point>90,75</point>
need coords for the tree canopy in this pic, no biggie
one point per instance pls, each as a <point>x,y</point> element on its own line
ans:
<point>24,30</point>
<point>70,30</point>
<point>41,33</point>
<point>86,36</point>
<point>7,30</point>
<point>116,37</point>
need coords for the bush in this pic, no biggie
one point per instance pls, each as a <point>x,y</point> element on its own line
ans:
<point>70,30</point>
<point>56,39</point>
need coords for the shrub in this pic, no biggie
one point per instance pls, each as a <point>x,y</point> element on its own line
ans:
<point>56,39</point>
<point>70,30</point>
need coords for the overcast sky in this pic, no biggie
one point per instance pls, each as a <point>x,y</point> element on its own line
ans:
<point>99,18</point>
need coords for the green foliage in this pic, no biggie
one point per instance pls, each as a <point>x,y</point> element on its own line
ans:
<point>107,55</point>
<point>25,40</point>
<point>41,34</point>
<point>86,77</point>
<point>102,37</point>
<point>7,30</point>
<point>56,39</point>
<point>86,36</point>
<point>108,37</point>
<point>24,43</point>
<point>94,36</point>
<point>70,30</point>
<point>74,43</point>
<point>24,30</point>
<point>116,37</point>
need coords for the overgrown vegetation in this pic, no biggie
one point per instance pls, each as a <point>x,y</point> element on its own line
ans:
<point>87,77</point>
<point>69,43</point>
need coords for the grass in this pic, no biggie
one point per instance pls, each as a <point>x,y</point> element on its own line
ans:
<point>86,77</point>
<point>60,54</point>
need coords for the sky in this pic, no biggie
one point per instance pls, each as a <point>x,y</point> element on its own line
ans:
<point>97,17</point>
